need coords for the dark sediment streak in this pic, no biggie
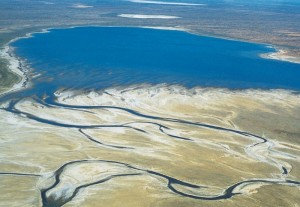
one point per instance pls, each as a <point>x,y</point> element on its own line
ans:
<point>20,174</point>
<point>101,143</point>
<point>176,137</point>
<point>161,128</point>
<point>52,102</point>
<point>170,181</point>
<point>228,192</point>
<point>51,201</point>
<point>11,108</point>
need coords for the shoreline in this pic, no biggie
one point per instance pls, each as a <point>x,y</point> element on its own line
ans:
<point>281,55</point>
<point>16,66</point>
<point>147,16</point>
<point>165,3</point>
<point>19,67</point>
<point>151,89</point>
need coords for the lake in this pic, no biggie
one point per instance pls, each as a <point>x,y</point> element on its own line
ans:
<point>101,57</point>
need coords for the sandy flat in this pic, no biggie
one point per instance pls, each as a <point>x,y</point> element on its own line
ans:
<point>145,16</point>
<point>126,145</point>
<point>165,3</point>
<point>282,55</point>
<point>81,6</point>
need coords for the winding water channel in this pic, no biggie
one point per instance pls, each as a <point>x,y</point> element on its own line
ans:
<point>41,98</point>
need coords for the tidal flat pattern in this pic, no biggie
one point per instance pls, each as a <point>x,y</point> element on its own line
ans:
<point>87,129</point>
<point>153,145</point>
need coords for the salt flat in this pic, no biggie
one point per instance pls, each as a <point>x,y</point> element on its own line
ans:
<point>145,16</point>
<point>157,144</point>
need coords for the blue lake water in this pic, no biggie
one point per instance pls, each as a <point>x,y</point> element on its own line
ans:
<point>100,57</point>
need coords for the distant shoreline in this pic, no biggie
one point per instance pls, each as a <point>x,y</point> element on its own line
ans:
<point>281,55</point>
<point>16,65</point>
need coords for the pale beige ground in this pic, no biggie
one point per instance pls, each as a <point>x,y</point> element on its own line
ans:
<point>215,158</point>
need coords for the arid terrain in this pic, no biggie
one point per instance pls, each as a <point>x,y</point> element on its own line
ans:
<point>152,145</point>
